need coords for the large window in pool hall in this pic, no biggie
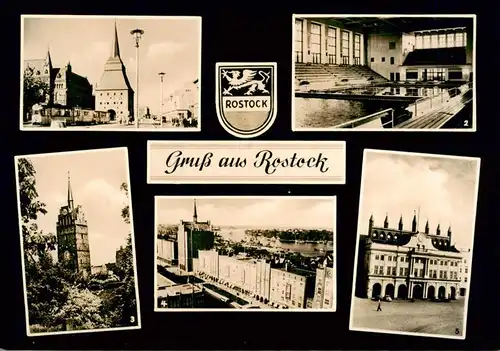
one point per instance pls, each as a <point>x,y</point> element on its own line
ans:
<point>316,42</point>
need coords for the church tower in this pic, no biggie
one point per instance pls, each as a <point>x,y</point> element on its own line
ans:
<point>195,213</point>
<point>114,93</point>
<point>72,236</point>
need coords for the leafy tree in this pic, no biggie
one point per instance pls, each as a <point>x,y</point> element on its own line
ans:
<point>81,310</point>
<point>44,287</point>
<point>122,306</point>
<point>35,242</point>
<point>35,90</point>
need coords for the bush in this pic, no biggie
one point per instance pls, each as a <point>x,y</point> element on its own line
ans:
<point>38,328</point>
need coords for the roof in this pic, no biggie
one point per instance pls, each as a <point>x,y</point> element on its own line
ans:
<point>183,289</point>
<point>114,76</point>
<point>441,56</point>
<point>205,226</point>
<point>393,25</point>
<point>79,80</point>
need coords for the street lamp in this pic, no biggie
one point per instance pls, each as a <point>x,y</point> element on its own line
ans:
<point>161,74</point>
<point>137,34</point>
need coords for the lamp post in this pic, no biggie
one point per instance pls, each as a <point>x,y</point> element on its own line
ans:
<point>161,74</point>
<point>137,34</point>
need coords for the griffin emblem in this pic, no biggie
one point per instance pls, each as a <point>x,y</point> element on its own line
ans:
<point>247,79</point>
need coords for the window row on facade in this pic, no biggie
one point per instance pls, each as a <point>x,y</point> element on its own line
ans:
<point>420,273</point>
<point>440,39</point>
<point>417,260</point>
<point>315,44</point>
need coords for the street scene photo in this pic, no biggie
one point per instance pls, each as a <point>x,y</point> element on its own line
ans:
<point>110,73</point>
<point>245,253</point>
<point>383,72</point>
<point>77,242</point>
<point>414,245</point>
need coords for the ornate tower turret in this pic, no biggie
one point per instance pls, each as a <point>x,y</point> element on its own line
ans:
<point>438,230</point>
<point>449,235</point>
<point>400,224</point>
<point>370,224</point>
<point>70,195</point>
<point>414,222</point>
<point>386,221</point>
<point>427,227</point>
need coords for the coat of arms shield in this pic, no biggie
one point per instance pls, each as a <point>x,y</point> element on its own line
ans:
<point>246,97</point>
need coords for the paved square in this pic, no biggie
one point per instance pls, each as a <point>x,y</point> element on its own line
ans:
<point>443,318</point>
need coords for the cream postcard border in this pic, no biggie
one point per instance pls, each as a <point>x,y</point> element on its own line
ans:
<point>330,129</point>
<point>298,198</point>
<point>25,297</point>
<point>99,129</point>
<point>355,266</point>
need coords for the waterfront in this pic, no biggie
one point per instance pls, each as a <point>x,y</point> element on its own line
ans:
<point>306,249</point>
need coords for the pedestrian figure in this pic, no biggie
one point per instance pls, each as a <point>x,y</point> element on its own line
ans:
<point>379,308</point>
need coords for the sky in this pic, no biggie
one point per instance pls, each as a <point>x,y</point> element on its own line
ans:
<point>95,180</point>
<point>169,45</point>
<point>399,183</point>
<point>256,212</point>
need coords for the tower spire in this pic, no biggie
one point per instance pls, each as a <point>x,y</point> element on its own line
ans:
<point>48,59</point>
<point>70,194</point>
<point>116,47</point>
<point>195,213</point>
<point>414,222</point>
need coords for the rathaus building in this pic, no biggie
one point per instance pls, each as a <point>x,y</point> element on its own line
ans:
<point>408,264</point>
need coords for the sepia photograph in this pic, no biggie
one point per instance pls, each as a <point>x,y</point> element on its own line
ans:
<point>414,247</point>
<point>77,242</point>
<point>384,73</point>
<point>110,73</point>
<point>229,253</point>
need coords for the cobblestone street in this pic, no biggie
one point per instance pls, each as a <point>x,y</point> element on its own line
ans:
<point>404,316</point>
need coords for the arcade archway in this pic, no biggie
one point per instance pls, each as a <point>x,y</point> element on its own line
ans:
<point>376,290</point>
<point>463,291</point>
<point>453,293</point>
<point>442,292</point>
<point>112,115</point>
<point>431,292</point>
<point>417,292</point>
<point>389,290</point>
<point>402,292</point>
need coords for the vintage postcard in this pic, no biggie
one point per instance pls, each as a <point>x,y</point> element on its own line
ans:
<point>77,242</point>
<point>246,162</point>
<point>251,253</point>
<point>384,73</point>
<point>110,73</point>
<point>414,246</point>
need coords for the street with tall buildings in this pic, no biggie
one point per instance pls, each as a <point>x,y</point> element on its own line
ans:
<point>197,268</point>
<point>107,95</point>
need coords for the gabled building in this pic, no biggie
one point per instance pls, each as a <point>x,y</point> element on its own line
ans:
<point>66,88</point>
<point>406,263</point>
<point>114,94</point>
